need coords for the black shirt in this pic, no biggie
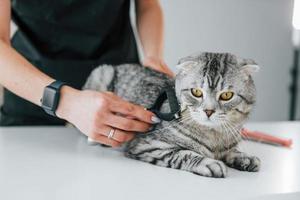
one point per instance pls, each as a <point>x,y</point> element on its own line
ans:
<point>67,39</point>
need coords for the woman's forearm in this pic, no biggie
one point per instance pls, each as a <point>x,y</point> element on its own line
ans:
<point>150,27</point>
<point>16,73</point>
<point>5,20</point>
<point>19,76</point>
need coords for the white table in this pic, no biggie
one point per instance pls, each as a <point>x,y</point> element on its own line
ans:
<point>56,163</point>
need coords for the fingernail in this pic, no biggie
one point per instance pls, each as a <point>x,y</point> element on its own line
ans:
<point>155,119</point>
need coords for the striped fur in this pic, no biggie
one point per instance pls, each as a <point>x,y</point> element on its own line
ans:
<point>193,143</point>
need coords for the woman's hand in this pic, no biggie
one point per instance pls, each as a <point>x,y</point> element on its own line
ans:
<point>158,64</point>
<point>95,114</point>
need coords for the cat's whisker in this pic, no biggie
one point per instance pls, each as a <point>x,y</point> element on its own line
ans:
<point>218,119</point>
<point>179,120</point>
<point>228,131</point>
<point>182,119</point>
<point>242,147</point>
<point>176,120</point>
<point>232,132</point>
<point>172,123</point>
<point>237,132</point>
<point>227,136</point>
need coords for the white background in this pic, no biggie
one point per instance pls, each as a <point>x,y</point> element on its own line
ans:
<point>257,29</point>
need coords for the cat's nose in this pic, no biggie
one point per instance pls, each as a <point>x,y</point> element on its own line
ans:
<point>209,112</point>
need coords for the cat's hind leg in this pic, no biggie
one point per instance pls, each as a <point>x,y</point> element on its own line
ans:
<point>176,158</point>
<point>242,161</point>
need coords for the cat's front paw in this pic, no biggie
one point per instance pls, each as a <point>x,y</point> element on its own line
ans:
<point>246,163</point>
<point>211,168</point>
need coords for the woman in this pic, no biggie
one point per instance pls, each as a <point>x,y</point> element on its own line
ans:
<point>63,41</point>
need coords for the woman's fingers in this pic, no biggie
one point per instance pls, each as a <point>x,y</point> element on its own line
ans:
<point>126,124</point>
<point>119,135</point>
<point>128,109</point>
<point>167,70</point>
<point>158,64</point>
<point>120,106</point>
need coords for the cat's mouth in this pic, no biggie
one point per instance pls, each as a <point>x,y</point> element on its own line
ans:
<point>212,121</point>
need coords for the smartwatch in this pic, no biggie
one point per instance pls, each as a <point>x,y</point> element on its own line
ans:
<point>51,95</point>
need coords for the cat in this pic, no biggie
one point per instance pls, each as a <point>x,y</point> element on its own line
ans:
<point>216,93</point>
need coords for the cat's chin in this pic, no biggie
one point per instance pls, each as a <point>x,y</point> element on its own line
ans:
<point>208,123</point>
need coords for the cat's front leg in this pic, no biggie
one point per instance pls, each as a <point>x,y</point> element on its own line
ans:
<point>182,159</point>
<point>242,161</point>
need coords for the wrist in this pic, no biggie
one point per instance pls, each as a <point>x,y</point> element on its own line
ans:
<point>153,57</point>
<point>67,96</point>
<point>154,62</point>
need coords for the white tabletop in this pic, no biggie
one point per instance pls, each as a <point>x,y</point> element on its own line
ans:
<point>56,163</point>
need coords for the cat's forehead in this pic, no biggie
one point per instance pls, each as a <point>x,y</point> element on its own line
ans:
<point>216,69</point>
<point>212,62</point>
<point>215,72</point>
<point>208,64</point>
<point>210,69</point>
<point>207,57</point>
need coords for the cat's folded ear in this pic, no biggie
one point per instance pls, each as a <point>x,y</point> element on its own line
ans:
<point>248,66</point>
<point>186,65</point>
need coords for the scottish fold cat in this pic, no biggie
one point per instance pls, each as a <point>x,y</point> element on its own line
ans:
<point>216,93</point>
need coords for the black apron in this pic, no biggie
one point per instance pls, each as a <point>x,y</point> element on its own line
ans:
<point>67,39</point>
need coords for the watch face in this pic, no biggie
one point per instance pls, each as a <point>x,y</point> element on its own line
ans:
<point>49,98</point>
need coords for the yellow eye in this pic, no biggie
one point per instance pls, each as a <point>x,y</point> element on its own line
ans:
<point>196,92</point>
<point>225,96</point>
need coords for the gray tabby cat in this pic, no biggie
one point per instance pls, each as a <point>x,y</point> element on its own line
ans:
<point>216,94</point>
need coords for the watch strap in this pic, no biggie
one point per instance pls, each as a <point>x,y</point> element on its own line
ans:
<point>56,85</point>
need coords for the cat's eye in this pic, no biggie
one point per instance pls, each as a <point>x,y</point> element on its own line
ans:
<point>196,92</point>
<point>226,96</point>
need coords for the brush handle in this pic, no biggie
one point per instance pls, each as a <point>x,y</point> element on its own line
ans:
<point>266,138</point>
